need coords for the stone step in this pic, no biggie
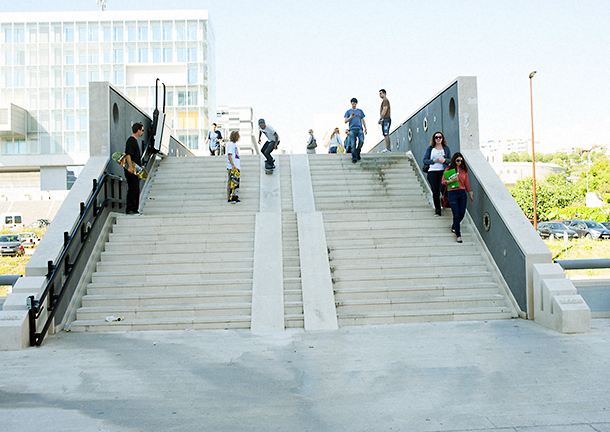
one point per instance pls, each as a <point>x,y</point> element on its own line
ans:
<point>400,317</point>
<point>146,222</point>
<point>407,279</point>
<point>419,303</point>
<point>140,287</point>
<point>161,299</point>
<point>174,276</point>
<point>191,323</point>
<point>335,240</point>
<point>165,311</point>
<point>406,291</point>
<point>172,265</point>
<point>162,247</point>
<point>364,268</point>
<point>398,254</point>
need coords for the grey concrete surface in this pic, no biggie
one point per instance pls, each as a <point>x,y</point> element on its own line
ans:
<point>509,375</point>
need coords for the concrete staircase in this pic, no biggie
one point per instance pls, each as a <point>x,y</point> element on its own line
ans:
<point>188,261</point>
<point>391,260</point>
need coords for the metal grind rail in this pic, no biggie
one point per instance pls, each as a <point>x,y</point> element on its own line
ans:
<point>61,273</point>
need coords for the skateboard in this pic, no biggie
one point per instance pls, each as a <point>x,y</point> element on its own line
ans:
<point>233,185</point>
<point>121,160</point>
<point>269,170</point>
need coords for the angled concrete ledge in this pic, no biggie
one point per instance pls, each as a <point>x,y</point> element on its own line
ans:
<point>268,273</point>
<point>318,298</point>
<point>302,189</point>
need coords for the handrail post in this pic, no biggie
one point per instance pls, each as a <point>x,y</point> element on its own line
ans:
<point>32,319</point>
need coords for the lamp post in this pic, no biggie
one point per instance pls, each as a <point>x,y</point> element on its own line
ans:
<point>533,152</point>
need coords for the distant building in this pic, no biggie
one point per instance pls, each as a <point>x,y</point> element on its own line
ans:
<point>47,60</point>
<point>238,118</point>
<point>494,150</point>
<point>511,172</point>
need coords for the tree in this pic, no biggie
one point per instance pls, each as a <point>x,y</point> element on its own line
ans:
<point>551,194</point>
<point>524,157</point>
<point>511,157</point>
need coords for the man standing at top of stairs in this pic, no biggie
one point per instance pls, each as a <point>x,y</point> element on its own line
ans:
<point>355,117</point>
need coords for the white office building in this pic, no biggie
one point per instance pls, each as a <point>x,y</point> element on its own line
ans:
<point>48,59</point>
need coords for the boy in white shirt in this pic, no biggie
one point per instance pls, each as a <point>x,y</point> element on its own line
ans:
<point>233,169</point>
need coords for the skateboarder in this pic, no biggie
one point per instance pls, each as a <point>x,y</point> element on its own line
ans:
<point>132,155</point>
<point>273,140</point>
<point>355,117</point>
<point>233,169</point>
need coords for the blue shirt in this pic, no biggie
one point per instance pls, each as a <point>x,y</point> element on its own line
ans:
<point>212,136</point>
<point>356,122</point>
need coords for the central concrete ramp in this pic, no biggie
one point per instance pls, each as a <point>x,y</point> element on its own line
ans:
<point>319,244</point>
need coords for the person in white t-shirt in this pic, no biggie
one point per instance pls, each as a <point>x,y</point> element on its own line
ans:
<point>273,140</point>
<point>233,169</point>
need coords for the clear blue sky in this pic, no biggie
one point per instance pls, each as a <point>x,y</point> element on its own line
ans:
<point>299,63</point>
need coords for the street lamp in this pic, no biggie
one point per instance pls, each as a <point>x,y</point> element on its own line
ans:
<point>533,152</point>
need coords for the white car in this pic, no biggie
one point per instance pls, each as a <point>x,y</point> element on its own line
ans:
<point>29,239</point>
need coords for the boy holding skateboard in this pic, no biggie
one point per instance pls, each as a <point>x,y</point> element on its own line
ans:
<point>273,140</point>
<point>132,155</point>
<point>233,169</point>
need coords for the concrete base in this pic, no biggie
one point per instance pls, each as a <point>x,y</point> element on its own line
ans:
<point>556,302</point>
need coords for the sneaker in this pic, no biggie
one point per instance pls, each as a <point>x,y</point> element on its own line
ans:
<point>354,160</point>
<point>385,151</point>
<point>234,201</point>
<point>437,215</point>
<point>459,239</point>
<point>133,213</point>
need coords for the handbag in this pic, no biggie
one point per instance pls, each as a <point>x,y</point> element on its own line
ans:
<point>425,168</point>
<point>445,201</point>
<point>312,144</point>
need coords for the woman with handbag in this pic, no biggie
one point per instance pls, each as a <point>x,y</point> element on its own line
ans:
<point>457,196</point>
<point>436,160</point>
<point>311,143</point>
<point>335,142</point>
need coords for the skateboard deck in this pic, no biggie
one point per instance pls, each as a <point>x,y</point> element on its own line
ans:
<point>269,170</point>
<point>233,185</point>
<point>121,160</point>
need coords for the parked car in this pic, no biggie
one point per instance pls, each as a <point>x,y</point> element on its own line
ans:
<point>11,245</point>
<point>40,223</point>
<point>589,229</point>
<point>555,230</point>
<point>29,239</point>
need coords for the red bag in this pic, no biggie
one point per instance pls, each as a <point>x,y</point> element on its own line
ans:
<point>445,201</point>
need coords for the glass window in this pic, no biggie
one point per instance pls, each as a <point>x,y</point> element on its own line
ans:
<point>70,143</point>
<point>143,55</point>
<point>19,35</point>
<point>107,56</point>
<point>93,35</point>
<point>167,32</point>
<point>83,144</point>
<point>169,98</point>
<point>69,57</point>
<point>118,34</point>
<point>94,58</point>
<point>82,122</point>
<point>118,56</point>
<point>192,98</point>
<point>131,55</point>
<point>181,98</point>
<point>192,54</point>
<point>70,122</point>
<point>69,34</point>
<point>69,100</point>
<point>82,100</point>
<point>20,58</point>
<point>143,33</point>
<point>19,79</point>
<point>118,78</point>
<point>191,32</point>
<point>192,76</point>
<point>167,55</point>
<point>156,33</point>
<point>32,34</point>
<point>8,61</point>
<point>181,54</point>
<point>69,78</point>
<point>193,142</point>
<point>82,34</point>
<point>8,36</point>
<point>181,32</point>
<point>156,55</point>
<point>107,34</point>
<point>107,76</point>
<point>131,33</point>
<point>82,56</point>
<point>82,78</point>
<point>94,76</point>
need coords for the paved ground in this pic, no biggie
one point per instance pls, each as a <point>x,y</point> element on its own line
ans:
<point>508,375</point>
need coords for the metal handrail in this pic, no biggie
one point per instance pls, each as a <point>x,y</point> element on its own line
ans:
<point>63,262</point>
<point>584,264</point>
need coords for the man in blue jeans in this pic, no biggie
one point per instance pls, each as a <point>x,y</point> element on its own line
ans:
<point>355,117</point>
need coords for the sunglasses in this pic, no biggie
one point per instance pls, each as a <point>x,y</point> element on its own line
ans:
<point>459,160</point>
<point>438,137</point>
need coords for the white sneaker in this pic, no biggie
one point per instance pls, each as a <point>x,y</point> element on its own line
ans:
<point>385,151</point>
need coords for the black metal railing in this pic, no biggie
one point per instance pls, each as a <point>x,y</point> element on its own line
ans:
<point>61,283</point>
